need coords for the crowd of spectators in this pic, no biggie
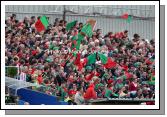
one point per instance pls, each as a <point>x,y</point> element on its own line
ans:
<point>46,58</point>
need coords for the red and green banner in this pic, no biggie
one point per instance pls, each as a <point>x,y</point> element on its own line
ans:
<point>41,24</point>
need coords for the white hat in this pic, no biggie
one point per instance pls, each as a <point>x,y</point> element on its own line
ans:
<point>37,36</point>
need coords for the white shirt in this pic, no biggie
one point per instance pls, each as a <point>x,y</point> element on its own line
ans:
<point>23,76</point>
<point>79,98</point>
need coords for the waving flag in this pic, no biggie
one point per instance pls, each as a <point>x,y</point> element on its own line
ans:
<point>41,24</point>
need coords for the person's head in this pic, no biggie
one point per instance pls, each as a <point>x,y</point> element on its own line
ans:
<point>80,89</point>
<point>136,37</point>
<point>33,19</point>
<point>80,25</point>
<point>99,31</point>
<point>71,94</point>
<point>126,32</point>
<point>26,103</point>
<point>109,85</point>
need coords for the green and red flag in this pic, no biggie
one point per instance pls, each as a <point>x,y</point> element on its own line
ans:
<point>87,30</point>
<point>42,24</point>
<point>91,59</point>
<point>106,61</point>
<point>76,41</point>
<point>127,17</point>
<point>71,25</point>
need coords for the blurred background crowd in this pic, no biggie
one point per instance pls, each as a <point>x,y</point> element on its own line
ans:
<point>49,59</point>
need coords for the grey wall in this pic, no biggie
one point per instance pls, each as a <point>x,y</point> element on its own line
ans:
<point>145,28</point>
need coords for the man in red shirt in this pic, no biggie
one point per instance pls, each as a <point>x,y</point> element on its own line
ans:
<point>133,88</point>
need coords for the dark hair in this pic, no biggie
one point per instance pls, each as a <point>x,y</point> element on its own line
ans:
<point>79,88</point>
<point>136,36</point>
<point>32,17</point>
<point>125,31</point>
<point>109,85</point>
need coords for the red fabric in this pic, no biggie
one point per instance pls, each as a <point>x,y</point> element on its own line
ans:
<point>79,63</point>
<point>85,61</point>
<point>150,103</point>
<point>132,87</point>
<point>71,79</point>
<point>33,70</point>
<point>90,76</point>
<point>72,92</point>
<point>39,26</point>
<point>110,81</point>
<point>117,35</point>
<point>97,74</point>
<point>121,35</point>
<point>40,79</point>
<point>34,52</point>
<point>110,63</point>
<point>20,24</point>
<point>77,60</point>
<point>125,16</point>
<point>149,62</point>
<point>125,67</point>
<point>74,42</point>
<point>65,90</point>
<point>90,93</point>
<point>128,75</point>
<point>20,54</point>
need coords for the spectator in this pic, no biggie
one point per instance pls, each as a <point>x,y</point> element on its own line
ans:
<point>51,61</point>
<point>79,96</point>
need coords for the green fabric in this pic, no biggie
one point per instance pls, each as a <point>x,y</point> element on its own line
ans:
<point>88,67</point>
<point>44,21</point>
<point>129,19</point>
<point>98,85</point>
<point>115,95</point>
<point>87,29</point>
<point>62,93</point>
<point>119,86</point>
<point>115,78</point>
<point>75,53</point>
<point>91,59</point>
<point>80,38</point>
<point>108,93</point>
<point>151,82</point>
<point>51,46</point>
<point>103,58</point>
<point>71,25</point>
<point>49,59</point>
<point>124,79</point>
<point>74,38</point>
<point>55,48</point>
<point>152,60</point>
<point>137,64</point>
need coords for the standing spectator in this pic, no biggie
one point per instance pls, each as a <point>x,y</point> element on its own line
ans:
<point>79,96</point>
